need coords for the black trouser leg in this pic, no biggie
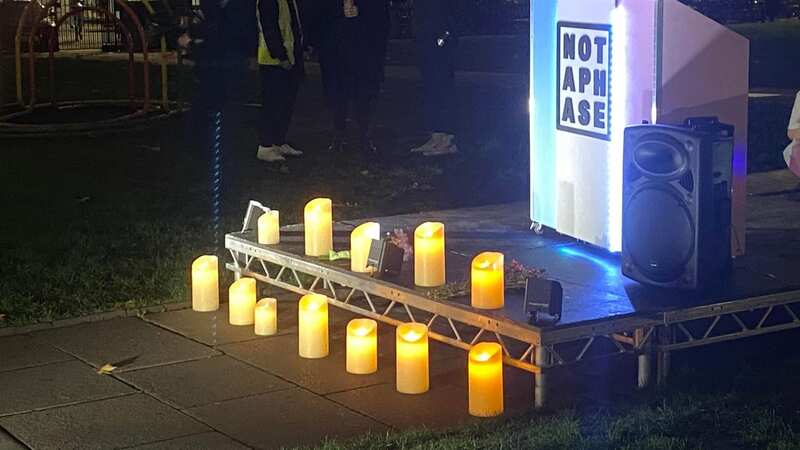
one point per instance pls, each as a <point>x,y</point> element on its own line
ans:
<point>339,110</point>
<point>364,117</point>
<point>292,87</point>
<point>437,68</point>
<point>278,95</point>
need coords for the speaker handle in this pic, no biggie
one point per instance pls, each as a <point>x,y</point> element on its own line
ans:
<point>704,121</point>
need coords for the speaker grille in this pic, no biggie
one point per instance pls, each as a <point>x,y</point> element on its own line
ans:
<point>660,155</point>
<point>659,233</point>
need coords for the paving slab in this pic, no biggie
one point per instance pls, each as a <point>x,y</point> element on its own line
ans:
<point>210,440</point>
<point>24,350</point>
<point>7,442</point>
<point>517,385</point>
<point>200,325</point>
<point>291,417</point>
<point>131,342</point>
<point>444,405</point>
<point>326,375</point>
<point>54,384</point>
<point>204,381</point>
<point>112,423</point>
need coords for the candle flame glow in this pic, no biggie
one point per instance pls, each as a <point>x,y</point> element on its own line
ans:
<point>412,336</point>
<point>483,356</point>
<point>484,351</point>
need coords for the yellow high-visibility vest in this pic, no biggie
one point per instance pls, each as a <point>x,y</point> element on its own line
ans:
<point>285,25</point>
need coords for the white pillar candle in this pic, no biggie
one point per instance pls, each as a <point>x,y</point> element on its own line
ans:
<point>318,227</point>
<point>362,346</point>
<point>429,269</point>
<point>269,228</point>
<point>412,358</point>
<point>205,283</point>
<point>360,242</point>
<point>486,380</point>
<point>312,332</point>
<point>242,302</point>
<point>488,283</point>
<point>266,317</point>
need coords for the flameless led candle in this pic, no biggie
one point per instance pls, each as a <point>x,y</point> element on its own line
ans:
<point>312,333</point>
<point>488,285</point>
<point>486,380</point>
<point>269,228</point>
<point>360,241</point>
<point>412,358</point>
<point>362,346</point>
<point>266,317</point>
<point>318,227</point>
<point>429,255</point>
<point>205,284</point>
<point>242,302</point>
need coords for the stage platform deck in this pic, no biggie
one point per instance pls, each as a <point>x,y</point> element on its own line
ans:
<point>762,294</point>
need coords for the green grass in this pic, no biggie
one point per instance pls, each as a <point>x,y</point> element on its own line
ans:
<point>673,421</point>
<point>98,223</point>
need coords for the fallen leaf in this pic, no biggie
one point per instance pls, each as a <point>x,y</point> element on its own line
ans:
<point>106,369</point>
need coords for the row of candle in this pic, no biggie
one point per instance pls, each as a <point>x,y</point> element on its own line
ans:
<point>485,369</point>
<point>429,251</point>
<point>485,366</point>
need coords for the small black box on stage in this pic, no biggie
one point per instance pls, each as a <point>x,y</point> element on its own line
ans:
<point>543,300</point>
<point>385,257</point>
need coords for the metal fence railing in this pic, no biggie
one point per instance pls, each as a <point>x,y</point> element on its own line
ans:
<point>86,29</point>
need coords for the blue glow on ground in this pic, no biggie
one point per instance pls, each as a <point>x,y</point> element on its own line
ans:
<point>610,265</point>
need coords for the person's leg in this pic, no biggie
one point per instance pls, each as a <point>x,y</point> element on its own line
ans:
<point>441,112</point>
<point>433,72</point>
<point>442,80</point>
<point>364,106</point>
<point>338,106</point>
<point>292,88</point>
<point>273,99</point>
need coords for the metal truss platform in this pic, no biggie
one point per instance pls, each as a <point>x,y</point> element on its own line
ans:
<point>604,314</point>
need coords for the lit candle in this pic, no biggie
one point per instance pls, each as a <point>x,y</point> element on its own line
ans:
<point>242,302</point>
<point>205,283</point>
<point>486,380</point>
<point>318,227</point>
<point>266,317</point>
<point>412,358</point>
<point>360,241</point>
<point>362,346</point>
<point>488,285</point>
<point>312,332</point>
<point>269,228</point>
<point>429,255</point>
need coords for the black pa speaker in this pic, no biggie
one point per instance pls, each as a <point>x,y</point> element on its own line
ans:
<point>676,226</point>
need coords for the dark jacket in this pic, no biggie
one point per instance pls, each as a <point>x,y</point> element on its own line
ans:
<point>230,32</point>
<point>433,18</point>
<point>352,51</point>
<point>268,13</point>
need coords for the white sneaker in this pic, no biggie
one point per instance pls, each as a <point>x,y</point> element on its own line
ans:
<point>288,150</point>
<point>445,146</point>
<point>430,145</point>
<point>269,154</point>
